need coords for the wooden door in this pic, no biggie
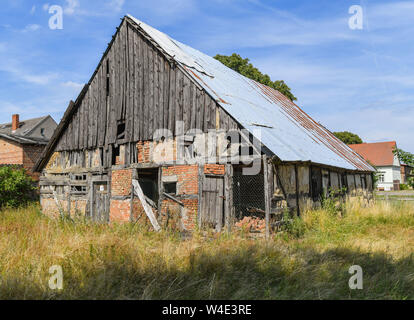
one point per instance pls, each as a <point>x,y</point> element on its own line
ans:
<point>100,212</point>
<point>213,202</point>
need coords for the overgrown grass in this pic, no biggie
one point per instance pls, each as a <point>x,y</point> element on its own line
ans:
<point>308,261</point>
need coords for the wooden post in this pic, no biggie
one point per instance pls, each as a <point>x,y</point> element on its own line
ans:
<point>160,193</point>
<point>145,205</point>
<point>131,204</point>
<point>228,198</point>
<point>297,190</point>
<point>200,193</point>
<point>266,195</point>
<point>91,195</point>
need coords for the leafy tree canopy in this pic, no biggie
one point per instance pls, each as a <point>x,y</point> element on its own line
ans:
<point>404,156</point>
<point>348,137</point>
<point>245,68</point>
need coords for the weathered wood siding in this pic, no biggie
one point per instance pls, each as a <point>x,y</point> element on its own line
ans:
<point>146,93</point>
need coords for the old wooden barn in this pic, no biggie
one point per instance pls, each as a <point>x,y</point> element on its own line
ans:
<point>165,134</point>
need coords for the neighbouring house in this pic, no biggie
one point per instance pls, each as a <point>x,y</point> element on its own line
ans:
<point>407,172</point>
<point>166,134</point>
<point>22,142</point>
<point>380,154</point>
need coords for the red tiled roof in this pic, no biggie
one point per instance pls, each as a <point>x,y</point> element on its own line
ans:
<point>379,154</point>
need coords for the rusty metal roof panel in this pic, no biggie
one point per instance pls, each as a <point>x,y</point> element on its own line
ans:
<point>285,129</point>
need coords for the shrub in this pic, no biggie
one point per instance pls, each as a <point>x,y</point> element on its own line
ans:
<point>16,187</point>
<point>404,186</point>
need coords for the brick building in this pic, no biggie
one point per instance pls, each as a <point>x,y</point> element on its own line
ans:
<point>166,135</point>
<point>22,142</point>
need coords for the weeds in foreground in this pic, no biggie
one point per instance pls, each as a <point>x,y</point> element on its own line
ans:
<point>123,261</point>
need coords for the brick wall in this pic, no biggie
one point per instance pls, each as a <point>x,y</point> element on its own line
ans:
<point>214,169</point>
<point>119,210</point>
<point>121,182</point>
<point>10,152</point>
<point>187,178</point>
<point>157,151</point>
<point>187,185</point>
<point>31,155</point>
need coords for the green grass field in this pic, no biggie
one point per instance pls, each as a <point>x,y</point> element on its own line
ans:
<point>310,260</point>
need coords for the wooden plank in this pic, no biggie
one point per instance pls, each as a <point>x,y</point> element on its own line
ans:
<point>171,103</point>
<point>200,194</point>
<point>187,103</point>
<point>219,203</point>
<point>145,205</point>
<point>151,104</point>
<point>129,120</point>
<point>227,198</point>
<point>199,109</point>
<point>161,92</point>
<point>131,203</point>
<point>267,198</point>
<point>173,199</point>
<point>206,109</point>
<point>137,82</point>
<point>145,110</point>
<point>167,72</point>
<point>178,98</point>
<point>193,105</point>
<point>156,103</point>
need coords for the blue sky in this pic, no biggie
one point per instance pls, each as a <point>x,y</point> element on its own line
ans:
<point>356,80</point>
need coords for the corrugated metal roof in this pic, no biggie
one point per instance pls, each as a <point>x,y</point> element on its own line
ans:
<point>286,129</point>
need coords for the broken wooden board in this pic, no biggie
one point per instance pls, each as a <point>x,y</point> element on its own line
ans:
<point>145,205</point>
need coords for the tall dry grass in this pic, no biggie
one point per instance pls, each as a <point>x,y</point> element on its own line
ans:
<point>310,260</point>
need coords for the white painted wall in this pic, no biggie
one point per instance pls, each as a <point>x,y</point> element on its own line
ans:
<point>391,173</point>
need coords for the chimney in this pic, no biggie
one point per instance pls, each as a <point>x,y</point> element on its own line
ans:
<point>15,122</point>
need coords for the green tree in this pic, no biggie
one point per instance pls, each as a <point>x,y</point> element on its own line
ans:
<point>408,159</point>
<point>16,187</point>
<point>348,137</point>
<point>404,156</point>
<point>245,68</point>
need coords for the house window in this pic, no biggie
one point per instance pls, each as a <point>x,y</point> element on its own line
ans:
<point>381,177</point>
<point>42,131</point>
<point>170,188</point>
<point>120,131</point>
<point>78,189</point>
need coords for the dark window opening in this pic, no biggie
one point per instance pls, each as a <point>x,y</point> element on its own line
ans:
<point>42,131</point>
<point>115,155</point>
<point>107,78</point>
<point>189,149</point>
<point>78,189</point>
<point>248,194</point>
<point>80,177</point>
<point>316,183</point>
<point>170,188</point>
<point>344,181</point>
<point>120,131</point>
<point>148,180</point>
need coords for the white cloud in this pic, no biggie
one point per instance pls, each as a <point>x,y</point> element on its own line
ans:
<point>73,85</point>
<point>33,10</point>
<point>17,72</point>
<point>31,28</point>
<point>45,7</point>
<point>70,7</point>
<point>117,4</point>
